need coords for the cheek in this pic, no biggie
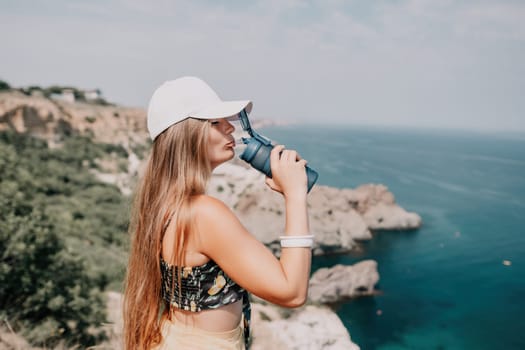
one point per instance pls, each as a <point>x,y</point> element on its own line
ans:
<point>214,143</point>
<point>211,151</point>
<point>213,137</point>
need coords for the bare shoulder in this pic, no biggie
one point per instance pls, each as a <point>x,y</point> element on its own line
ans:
<point>212,214</point>
<point>207,206</point>
<point>215,223</point>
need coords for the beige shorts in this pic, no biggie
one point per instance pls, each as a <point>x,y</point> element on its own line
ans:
<point>176,335</point>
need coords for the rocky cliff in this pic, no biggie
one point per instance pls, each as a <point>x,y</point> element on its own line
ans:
<point>54,119</point>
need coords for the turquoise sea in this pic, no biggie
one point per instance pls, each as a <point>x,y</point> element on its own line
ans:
<point>444,286</point>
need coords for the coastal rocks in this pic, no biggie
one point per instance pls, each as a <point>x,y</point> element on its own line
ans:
<point>310,327</point>
<point>379,210</point>
<point>366,196</point>
<point>338,217</point>
<point>340,282</point>
<point>387,217</point>
<point>262,211</point>
<point>334,220</point>
<point>314,326</point>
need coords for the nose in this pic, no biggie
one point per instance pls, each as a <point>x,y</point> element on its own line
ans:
<point>229,127</point>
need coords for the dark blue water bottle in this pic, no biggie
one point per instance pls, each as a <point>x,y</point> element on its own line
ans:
<point>257,152</point>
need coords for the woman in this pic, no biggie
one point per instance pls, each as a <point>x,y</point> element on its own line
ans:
<point>192,263</point>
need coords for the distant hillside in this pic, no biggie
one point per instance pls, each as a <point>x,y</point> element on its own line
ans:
<point>53,119</point>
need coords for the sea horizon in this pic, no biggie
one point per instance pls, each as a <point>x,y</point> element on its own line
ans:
<point>432,129</point>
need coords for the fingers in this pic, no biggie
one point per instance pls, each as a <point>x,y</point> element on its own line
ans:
<point>289,155</point>
<point>275,156</point>
<point>303,162</point>
<point>280,153</point>
<point>288,171</point>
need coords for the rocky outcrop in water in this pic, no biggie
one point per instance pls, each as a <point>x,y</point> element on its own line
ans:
<point>315,326</point>
<point>341,282</point>
<point>338,217</point>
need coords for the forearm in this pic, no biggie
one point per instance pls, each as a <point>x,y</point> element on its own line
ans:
<point>296,261</point>
<point>296,216</point>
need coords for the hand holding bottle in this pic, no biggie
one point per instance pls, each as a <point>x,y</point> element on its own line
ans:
<point>288,172</point>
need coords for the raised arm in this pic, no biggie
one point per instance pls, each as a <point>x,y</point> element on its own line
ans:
<point>246,260</point>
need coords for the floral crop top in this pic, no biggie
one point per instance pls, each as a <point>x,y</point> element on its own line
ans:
<point>203,287</point>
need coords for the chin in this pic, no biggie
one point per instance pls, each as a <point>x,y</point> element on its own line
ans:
<point>223,160</point>
<point>229,155</point>
<point>227,159</point>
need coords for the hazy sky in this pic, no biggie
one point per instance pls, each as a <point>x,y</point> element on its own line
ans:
<point>452,64</point>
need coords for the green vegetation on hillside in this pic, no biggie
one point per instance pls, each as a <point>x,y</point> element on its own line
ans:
<point>62,239</point>
<point>4,85</point>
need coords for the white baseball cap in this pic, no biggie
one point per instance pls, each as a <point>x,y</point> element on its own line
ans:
<point>186,97</point>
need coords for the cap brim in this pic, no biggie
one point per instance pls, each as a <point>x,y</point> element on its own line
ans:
<point>224,109</point>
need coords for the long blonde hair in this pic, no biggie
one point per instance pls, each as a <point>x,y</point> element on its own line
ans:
<point>177,169</point>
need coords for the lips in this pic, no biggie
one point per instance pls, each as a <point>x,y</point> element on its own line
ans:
<point>231,143</point>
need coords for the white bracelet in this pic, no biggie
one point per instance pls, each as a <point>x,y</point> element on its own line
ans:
<point>296,237</point>
<point>297,243</point>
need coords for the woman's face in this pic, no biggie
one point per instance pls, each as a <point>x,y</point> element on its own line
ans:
<point>220,142</point>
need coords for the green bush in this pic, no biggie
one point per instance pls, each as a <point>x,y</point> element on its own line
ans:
<point>62,239</point>
<point>4,85</point>
<point>46,293</point>
<point>141,149</point>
